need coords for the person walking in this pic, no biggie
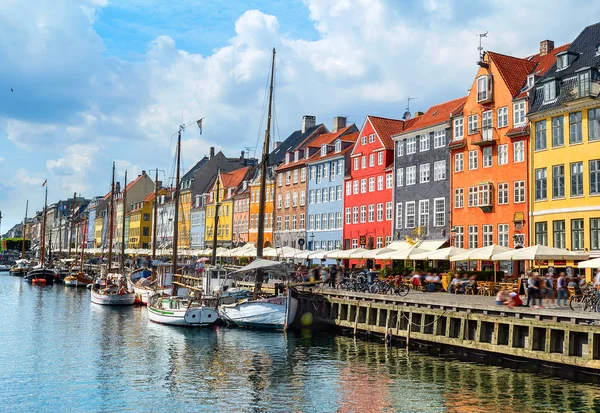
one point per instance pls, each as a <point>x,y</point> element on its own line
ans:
<point>332,275</point>
<point>533,290</point>
<point>549,289</point>
<point>561,289</point>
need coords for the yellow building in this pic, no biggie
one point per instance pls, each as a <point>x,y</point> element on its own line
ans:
<point>184,219</point>
<point>565,150</point>
<point>98,227</point>
<point>228,183</point>
<point>140,223</point>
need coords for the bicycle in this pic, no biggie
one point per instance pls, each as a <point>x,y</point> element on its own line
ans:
<point>588,300</point>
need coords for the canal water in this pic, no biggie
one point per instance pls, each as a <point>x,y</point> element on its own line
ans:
<point>59,353</point>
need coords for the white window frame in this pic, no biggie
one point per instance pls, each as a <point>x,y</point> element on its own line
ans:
<point>399,215</point>
<point>459,129</point>
<point>503,197</point>
<point>502,117</point>
<point>519,192</point>
<point>518,151</point>
<point>472,124</point>
<point>503,154</point>
<point>424,142</point>
<point>459,162</point>
<point>411,145</point>
<point>399,177</point>
<point>519,113</point>
<point>439,212</point>
<point>439,139</point>
<point>439,170</point>
<point>424,173</point>
<point>389,181</point>
<point>488,157</point>
<point>459,198</point>
<point>411,175</point>
<point>473,160</point>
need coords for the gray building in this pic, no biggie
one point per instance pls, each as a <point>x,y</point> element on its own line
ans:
<point>422,170</point>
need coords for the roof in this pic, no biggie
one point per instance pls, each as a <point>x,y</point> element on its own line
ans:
<point>135,181</point>
<point>514,70</point>
<point>291,143</point>
<point>518,131</point>
<point>544,63</point>
<point>346,138</point>
<point>192,172</point>
<point>234,178</point>
<point>386,128</point>
<point>437,114</point>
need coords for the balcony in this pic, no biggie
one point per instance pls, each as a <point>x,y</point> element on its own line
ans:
<point>580,87</point>
<point>485,137</point>
<point>457,143</point>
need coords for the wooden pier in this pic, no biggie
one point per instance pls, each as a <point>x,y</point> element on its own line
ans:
<point>466,327</point>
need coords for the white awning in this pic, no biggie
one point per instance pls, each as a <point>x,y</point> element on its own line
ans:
<point>484,253</point>
<point>443,254</point>
<point>432,244</point>
<point>595,263</point>
<point>539,252</point>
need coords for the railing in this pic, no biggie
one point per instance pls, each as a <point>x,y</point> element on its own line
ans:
<point>485,137</point>
<point>574,89</point>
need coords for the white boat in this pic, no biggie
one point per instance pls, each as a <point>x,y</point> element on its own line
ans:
<point>144,288</point>
<point>4,267</point>
<point>271,313</point>
<point>178,311</point>
<point>112,290</point>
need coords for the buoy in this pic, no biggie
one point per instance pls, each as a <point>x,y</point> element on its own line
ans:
<point>306,319</point>
<point>38,281</point>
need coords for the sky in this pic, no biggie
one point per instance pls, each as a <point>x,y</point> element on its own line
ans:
<point>97,81</point>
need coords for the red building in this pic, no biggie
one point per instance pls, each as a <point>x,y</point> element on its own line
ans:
<point>368,191</point>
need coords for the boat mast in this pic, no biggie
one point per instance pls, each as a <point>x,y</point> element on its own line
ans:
<point>111,219</point>
<point>83,240</point>
<point>123,223</point>
<point>155,217</point>
<point>59,210</point>
<point>24,227</point>
<point>216,220</point>
<point>176,212</point>
<point>263,172</point>
<point>43,247</point>
<point>72,222</point>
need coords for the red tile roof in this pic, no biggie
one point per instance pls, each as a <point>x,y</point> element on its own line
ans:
<point>513,70</point>
<point>352,137</point>
<point>386,128</point>
<point>544,63</point>
<point>437,114</point>
<point>234,178</point>
<point>519,130</point>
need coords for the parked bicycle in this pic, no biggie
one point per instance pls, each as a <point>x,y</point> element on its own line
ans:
<point>588,300</point>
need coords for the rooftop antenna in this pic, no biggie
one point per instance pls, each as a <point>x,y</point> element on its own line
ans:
<point>480,48</point>
<point>407,113</point>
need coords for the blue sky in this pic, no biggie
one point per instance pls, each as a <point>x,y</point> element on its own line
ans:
<point>100,80</point>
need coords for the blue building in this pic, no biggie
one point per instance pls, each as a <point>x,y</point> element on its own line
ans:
<point>327,169</point>
<point>198,222</point>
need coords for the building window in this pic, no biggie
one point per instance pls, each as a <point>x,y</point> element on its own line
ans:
<point>558,181</point>
<point>317,221</point>
<point>518,151</point>
<point>439,139</point>
<point>302,198</point>
<point>400,150</point>
<point>338,190</point>
<point>288,177</point>
<point>348,188</point>
<point>380,212</point>
<point>558,233</point>
<point>503,194</point>
<point>488,235</point>
<point>319,173</point>
<point>363,162</point>
<point>279,181</point>
<point>332,169</point>
<point>372,138</point>
<point>484,192</point>
<point>540,135</point>
<point>519,113</point>
<point>354,243</point>
<point>363,214</point>
<point>595,177</point>
<point>279,200</point>
<point>503,117</point>
<point>549,91</point>
<point>424,142</point>
<point>371,213</point>
<point>411,145</point>
<point>487,157</point>
<point>473,160</point>
<point>325,193</point>
<point>389,178</point>
<point>558,131</point>
<point>311,197</point>
<point>380,183</point>
<point>356,163</point>
<point>459,128</point>
<point>332,220</point>
<point>593,125</point>
<point>472,196</point>
<point>371,160</point>
<point>502,154</point>
<point>348,215</point>
<point>459,162</point>
<point>355,215</point>
<point>399,177</point>
<point>484,88</point>
<point>486,125</point>
<point>519,192</point>
<point>410,215</point>
<point>473,236</point>
<point>363,185</point>
<point>371,184</point>
<point>363,140</point>
<point>439,170</point>
<point>594,234</point>
<point>562,61</point>
<point>355,187</point>
<point>294,222</point>
<point>459,236</point>
<point>379,242</point>
<point>399,215</point>
<point>540,184</point>
<point>295,199</point>
<point>411,175</point>
<point>340,168</point>
<point>424,213</point>
<point>472,124</point>
<point>439,209</point>
<point>577,179</point>
<point>388,211</point>
<point>503,235</point>
<point>424,173</point>
<point>577,235</point>
<point>380,158</point>
<point>459,198</point>
<point>541,233</point>
<point>575,135</point>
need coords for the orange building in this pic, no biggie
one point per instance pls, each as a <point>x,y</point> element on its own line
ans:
<point>254,192</point>
<point>489,152</point>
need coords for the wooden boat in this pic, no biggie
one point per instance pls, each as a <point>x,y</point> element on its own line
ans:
<point>77,279</point>
<point>35,275</point>
<point>180,311</point>
<point>20,268</point>
<point>144,283</point>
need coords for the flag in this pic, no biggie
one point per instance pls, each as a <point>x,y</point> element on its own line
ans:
<point>199,123</point>
<point>45,181</point>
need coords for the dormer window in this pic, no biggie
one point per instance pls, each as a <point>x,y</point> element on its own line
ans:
<point>338,146</point>
<point>296,155</point>
<point>530,81</point>
<point>287,158</point>
<point>484,88</point>
<point>306,153</point>
<point>363,140</point>
<point>323,150</point>
<point>598,49</point>
<point>549,91</point>
<point>562,61</point>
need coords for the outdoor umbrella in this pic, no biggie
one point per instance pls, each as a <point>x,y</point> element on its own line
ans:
<point>443,254</point>
<point>403,254</point>
<point>481,254</point>
<point>595,263</point>
<point>539,252</point>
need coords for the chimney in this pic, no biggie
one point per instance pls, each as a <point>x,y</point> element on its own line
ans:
<point>242,155</point>
<point>117,187</point>
<point>276,144</point>
<point>308,122</point>
<point>143,172</point>
<point>339,122</point>
<point>418,114</point>
<point>546,46</point>
<point>212,152</point>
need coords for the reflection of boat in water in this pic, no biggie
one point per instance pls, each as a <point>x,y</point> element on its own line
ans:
<point>179,311</point>
<point>145,284</point>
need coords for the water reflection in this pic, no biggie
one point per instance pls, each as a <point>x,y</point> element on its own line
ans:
<point>76,357</point>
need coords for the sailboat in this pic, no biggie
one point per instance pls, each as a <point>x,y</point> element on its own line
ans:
<point>80,278</point>
<point>273,312</point>
<point>192,311</point>
<point>111,288</point>
<point>40,274</point>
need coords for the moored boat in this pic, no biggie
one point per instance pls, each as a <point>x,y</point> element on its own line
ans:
<point>20,268</point>
<point>145,284</point>
<point>111,290</point>
<point>268,313</point>
<point>35,275</point>
<point>180,311</point>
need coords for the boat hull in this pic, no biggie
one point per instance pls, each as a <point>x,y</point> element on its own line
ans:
<point>18,272</point>
<point>74,282</point>
<point>143,293</point>
<point>192,317</point>
<point>273,313</point>
<point>45,273</point>
<point>111,299</point>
